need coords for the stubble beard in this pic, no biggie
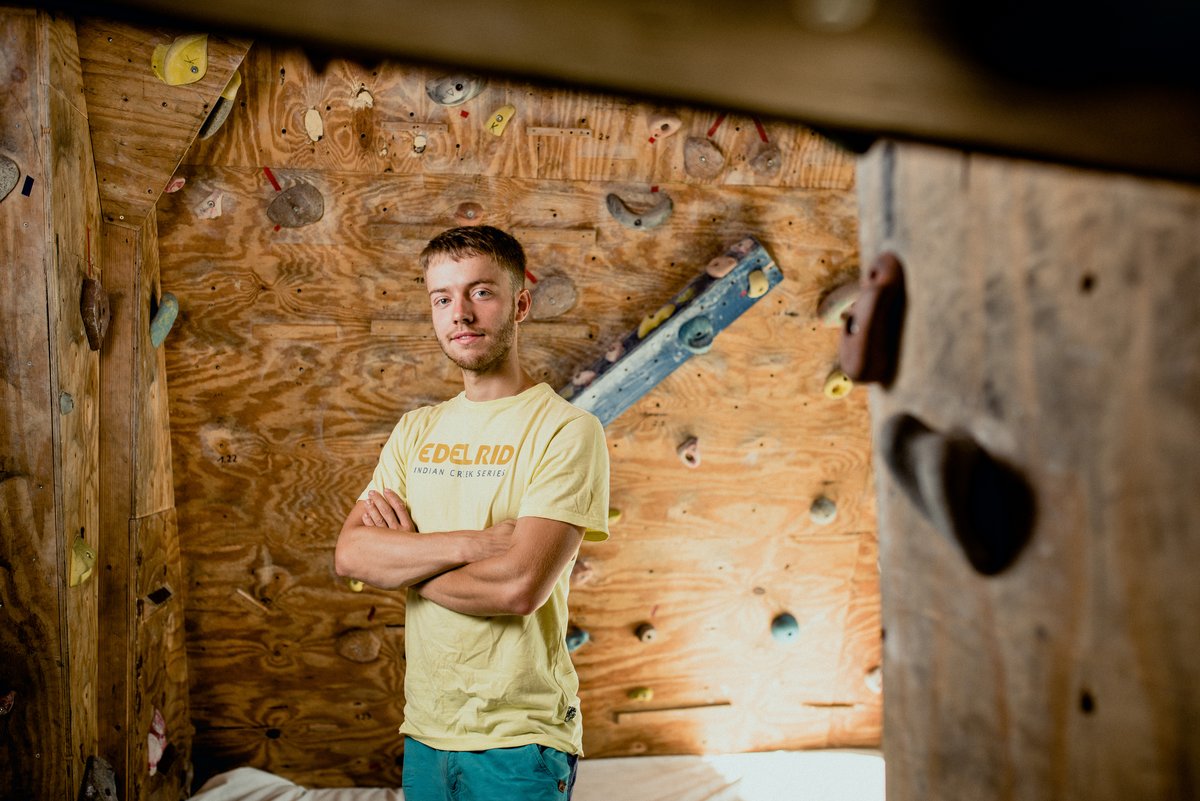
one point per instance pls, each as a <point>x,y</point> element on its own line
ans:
<point>493,356</point>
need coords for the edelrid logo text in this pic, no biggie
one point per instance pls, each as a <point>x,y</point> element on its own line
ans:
<point>460,453</point>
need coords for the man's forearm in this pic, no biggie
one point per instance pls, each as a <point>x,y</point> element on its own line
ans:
<point>390,559</point>
<point>484,588</point>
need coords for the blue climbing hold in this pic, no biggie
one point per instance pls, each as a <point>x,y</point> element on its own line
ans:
<point>784,628</point>
<point>697,334</point>
<point>576,637</point>
<point>164,318</point>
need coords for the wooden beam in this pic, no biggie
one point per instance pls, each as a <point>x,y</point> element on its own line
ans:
<point>896,71</point>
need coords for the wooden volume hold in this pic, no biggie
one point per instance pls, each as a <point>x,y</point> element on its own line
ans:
<point>9,174</point>
<point>701,158</point>
<point>359,645</point>
<point>299,205</point>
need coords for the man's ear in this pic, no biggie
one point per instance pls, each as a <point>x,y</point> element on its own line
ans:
<point>524,304</point>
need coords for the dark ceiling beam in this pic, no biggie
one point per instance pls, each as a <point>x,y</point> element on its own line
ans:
<point>1100,83</point>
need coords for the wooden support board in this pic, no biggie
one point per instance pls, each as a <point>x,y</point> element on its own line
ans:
<point>142,655</point>
<point>1054,316</point>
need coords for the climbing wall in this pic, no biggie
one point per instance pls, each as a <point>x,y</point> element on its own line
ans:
<point>298,347</point>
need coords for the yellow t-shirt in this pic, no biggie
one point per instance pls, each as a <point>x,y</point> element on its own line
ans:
<point>473,683</point>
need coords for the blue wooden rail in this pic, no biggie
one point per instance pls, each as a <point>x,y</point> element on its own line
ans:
<point>680,329</point>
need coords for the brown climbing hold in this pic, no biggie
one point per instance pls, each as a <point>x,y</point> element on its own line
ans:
<point>99,781</point>
<point>468,214</point>
<point>689,452</point>
<point>94,308</point>
<point>984,506</point>
<point>870,346</point>
<point>553,295</point>
<point>768,161</point>
<point>359,645</point>
<point>646,633</point>
<point>701,158</point>
<point>299,205</point>
<point>721,266</point>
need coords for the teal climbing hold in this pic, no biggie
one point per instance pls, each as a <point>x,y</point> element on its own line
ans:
<point>164,318</point>
<point>697,334</point>
<point>785,629</point>
<point>576,638</point>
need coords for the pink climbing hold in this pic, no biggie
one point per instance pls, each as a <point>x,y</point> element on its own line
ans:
<point>156,741</point>
<point>689,452</point>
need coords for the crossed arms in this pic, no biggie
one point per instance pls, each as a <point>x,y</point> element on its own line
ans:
<point>507,569</point>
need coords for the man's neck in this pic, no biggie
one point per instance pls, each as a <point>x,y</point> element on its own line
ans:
<point>503,382</point>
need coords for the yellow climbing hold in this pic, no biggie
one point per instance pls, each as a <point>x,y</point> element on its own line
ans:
<point>614,515</point>
<point>652,321</point>
<point>183,61</point>
<point>758,284</point>
<point>356,585</point>
<point>83,562</point>
<point>640,694</point>
<point>500,119</point>
<point>838,384</point>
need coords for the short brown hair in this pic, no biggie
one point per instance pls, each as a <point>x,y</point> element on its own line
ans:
<point>479,240</point>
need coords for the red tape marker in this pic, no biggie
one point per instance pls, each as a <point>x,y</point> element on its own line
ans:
<point>532,278</point>
<point>762,132</point>
<point>717,124</point>
<point>271,177</point>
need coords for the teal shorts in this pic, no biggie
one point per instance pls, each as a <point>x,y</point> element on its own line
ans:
<point>527,773</point>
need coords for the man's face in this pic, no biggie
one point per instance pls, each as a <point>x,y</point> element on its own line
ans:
<point>475,311</point>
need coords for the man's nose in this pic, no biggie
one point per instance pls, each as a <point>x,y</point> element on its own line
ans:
<point>462,311</point>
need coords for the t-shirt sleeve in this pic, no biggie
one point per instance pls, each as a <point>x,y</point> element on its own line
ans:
<point>389,471</point>
<point>570,481</point>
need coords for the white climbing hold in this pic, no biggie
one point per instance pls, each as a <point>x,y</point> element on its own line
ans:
<point>314,125</point>
<point>210,207</point>
<point>652,217</point>
<point>362,99</point>
<point>823,511</point>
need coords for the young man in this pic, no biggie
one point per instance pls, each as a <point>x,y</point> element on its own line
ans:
<point>477,507</point>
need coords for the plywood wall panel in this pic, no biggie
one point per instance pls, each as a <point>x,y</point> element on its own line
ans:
<point>285,383</point>
<point>141,127</point>
<point>281,86</point>
<point>1052,316</point>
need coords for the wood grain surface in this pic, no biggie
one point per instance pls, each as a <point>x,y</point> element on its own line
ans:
<point>285,383</point>
<point>1052,317</point>
<point>140,127</point>
<point>50,393</point>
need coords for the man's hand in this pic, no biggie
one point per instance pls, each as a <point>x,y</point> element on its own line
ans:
<point>493,541</point>
<point>387,510</point>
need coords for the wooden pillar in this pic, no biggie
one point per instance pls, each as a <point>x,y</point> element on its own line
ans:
<point>1053,317</point>
<point>50,402</point>
<point>142,597</point>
